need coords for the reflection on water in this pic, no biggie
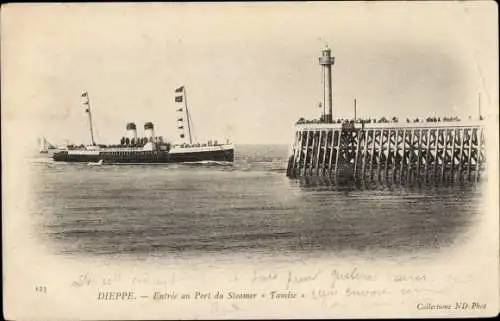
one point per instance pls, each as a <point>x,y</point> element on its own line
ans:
<point>411,183</point>
<point>250,208</point>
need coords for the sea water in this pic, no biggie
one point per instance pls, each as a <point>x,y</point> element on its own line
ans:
<point>247,209</point>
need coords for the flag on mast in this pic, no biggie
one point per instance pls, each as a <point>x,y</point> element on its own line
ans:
<point>85,101</point>
<point>179,94</point>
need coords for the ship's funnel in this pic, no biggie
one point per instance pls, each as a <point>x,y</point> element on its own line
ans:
<point>131,131</point>
<point>149,131</point>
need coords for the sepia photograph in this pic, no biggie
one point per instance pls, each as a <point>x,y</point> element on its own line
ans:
<point>236,160</point>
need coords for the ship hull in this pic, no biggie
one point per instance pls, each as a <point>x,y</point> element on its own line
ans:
<point>145,157</point>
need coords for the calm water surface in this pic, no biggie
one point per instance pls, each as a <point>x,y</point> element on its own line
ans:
<point>249,208</point>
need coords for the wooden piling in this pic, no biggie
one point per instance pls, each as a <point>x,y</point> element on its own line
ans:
<point>427,153</point>
<point>418,152</point>
<point>306,153</point>
<point>403,158</point>
<point>319,144</point>
<point>358,143</point>
<point>481,153</point>
<point>388,145</point>
<point>476,158</point>
<point>453,155</point>
<point>338,152</point>
<point>313,149</point>
<point>301,153</point>
<point>410,154</point>
<point>365,156</point>
<point>372,156</point>
<point>297,150</point>
<point>443,165</point>
<point>435,150</point>
<point>470,154</point>
<point>331,154</point>
<point>325,151</point>
<point>462,153</point>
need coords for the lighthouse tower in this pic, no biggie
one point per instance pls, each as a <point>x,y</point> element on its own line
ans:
<point>131,131</point>
<point>149,131</point>
<point>326,61</point>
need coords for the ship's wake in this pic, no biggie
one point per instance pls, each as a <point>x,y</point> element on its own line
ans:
<point>44,160</point>
<point>99,163</point>
<point>208,163</point>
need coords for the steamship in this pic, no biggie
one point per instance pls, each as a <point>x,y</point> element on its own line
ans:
<point>150,148</point>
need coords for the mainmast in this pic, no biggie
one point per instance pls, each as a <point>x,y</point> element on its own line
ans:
<point>188,117</point>
<point>183,99</point>
<point>86,102</point>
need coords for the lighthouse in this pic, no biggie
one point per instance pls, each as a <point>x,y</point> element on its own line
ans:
<point>149,131</point>
<point>326,61</point>
<point>131,131</point>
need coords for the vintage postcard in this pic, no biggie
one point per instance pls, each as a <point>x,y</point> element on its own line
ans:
<point>250,160</point>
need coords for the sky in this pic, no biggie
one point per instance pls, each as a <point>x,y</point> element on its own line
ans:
<point>250,69</point>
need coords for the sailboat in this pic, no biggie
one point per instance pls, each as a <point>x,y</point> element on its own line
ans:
<point>149,149</point>
<point>44,145</point>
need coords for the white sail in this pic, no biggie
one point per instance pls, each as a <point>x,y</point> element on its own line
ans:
<point>44,148</point>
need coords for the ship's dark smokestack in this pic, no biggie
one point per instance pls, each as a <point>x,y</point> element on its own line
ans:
<point>149,130</point>
<point>131,130</point>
